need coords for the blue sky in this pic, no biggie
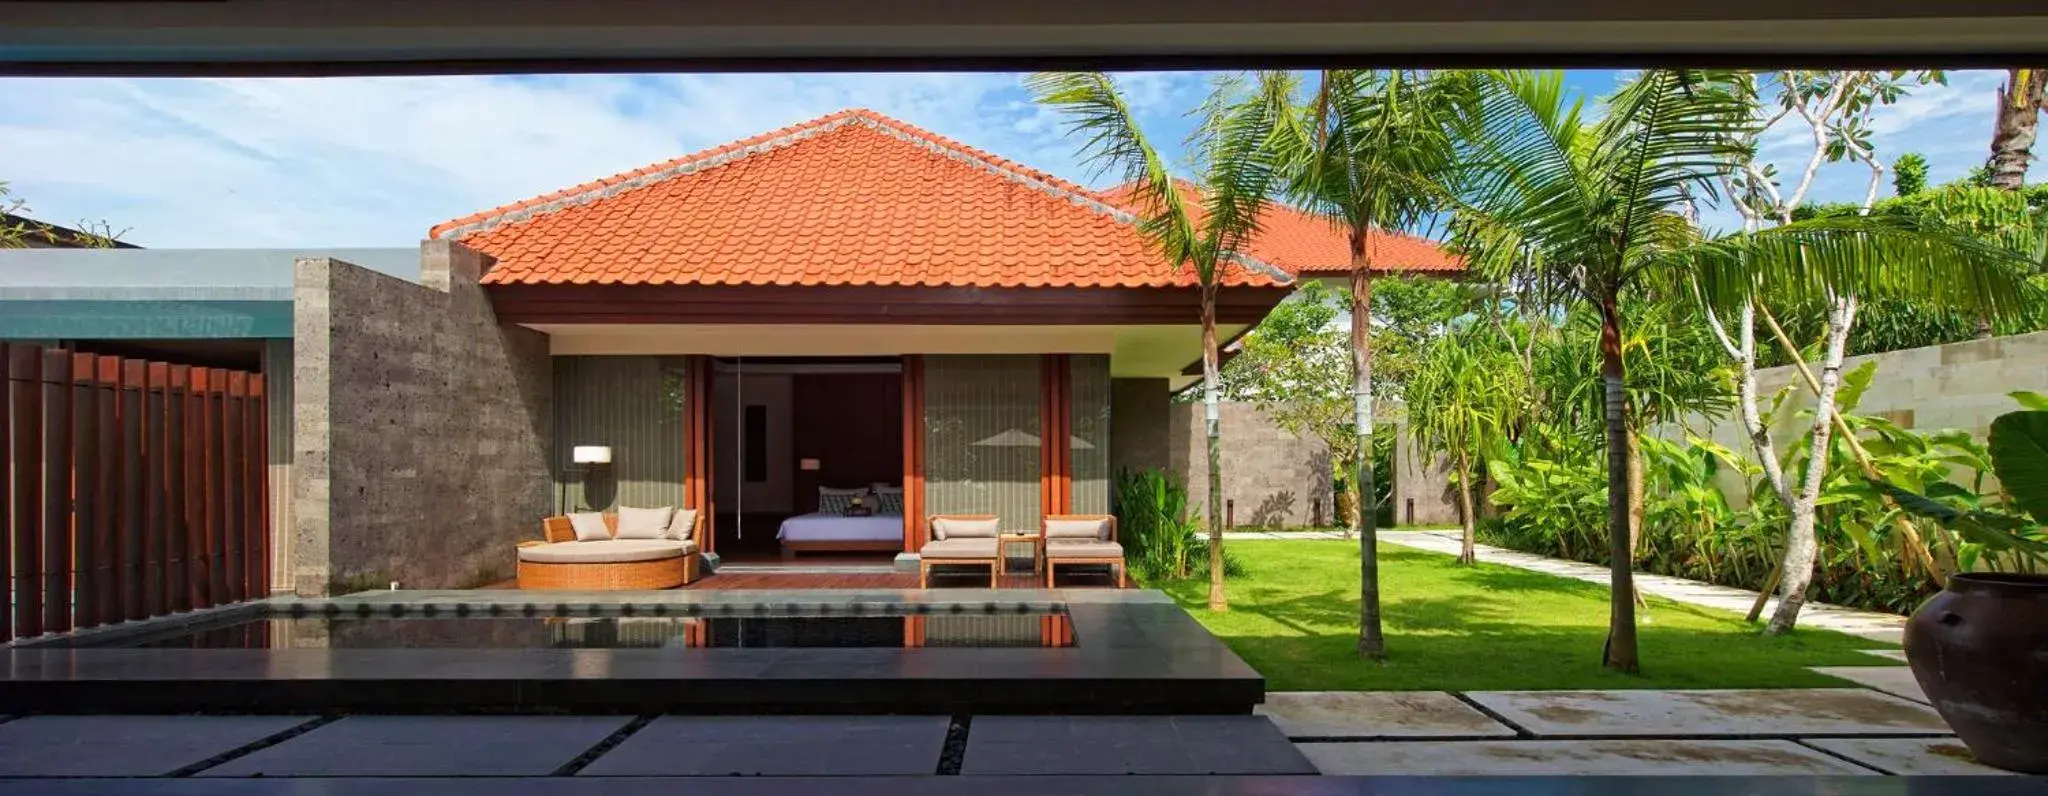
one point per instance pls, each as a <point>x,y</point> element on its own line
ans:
<point>376,161</point>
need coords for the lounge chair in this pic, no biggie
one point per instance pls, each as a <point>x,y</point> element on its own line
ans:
<point>608,563</point>
<point>1082,539</point>
<point>961,539</point>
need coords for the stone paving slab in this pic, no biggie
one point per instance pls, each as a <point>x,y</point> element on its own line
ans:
<point>1897,655</point>
<point>1377,714</point>
<point>126,746</point>
<point>1894,680</point>
<point>1736,712</point>
<point>397,746</point>
<point>778,746</point>
<point>1202,745</point>
<point>1887,628</point>
<point>1575,758</point>
<point>1908,756</point>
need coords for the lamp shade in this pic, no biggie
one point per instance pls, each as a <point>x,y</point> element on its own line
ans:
<point>591,454</point>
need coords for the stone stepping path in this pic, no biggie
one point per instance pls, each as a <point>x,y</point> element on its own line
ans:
<point>400,746</point>
<point>1894,680</point>
<point>1577,758</point>
<point>1707,713</point>
<point>1908,756</point>
<point>1056,745</point>
<point>1367,715</point>
<point>127,746</point>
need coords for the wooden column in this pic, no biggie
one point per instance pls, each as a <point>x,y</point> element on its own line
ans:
<point>234,575</point>
<point>6,506</point>
<point>87,507</point>
<point>24,383</point>
<point>158,496</point>
<point>135,469</point>
<point>913,453</point>
<point>1056,433</point>
<point>697,463</point>
<point>106,491</point>
<point>257,464</point>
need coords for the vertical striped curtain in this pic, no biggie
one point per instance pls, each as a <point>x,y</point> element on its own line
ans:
<point>1088,389</point>
<point>982,437</point>
<point>634,404</point>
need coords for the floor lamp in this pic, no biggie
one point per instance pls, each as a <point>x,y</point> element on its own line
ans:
<point>584,457</point>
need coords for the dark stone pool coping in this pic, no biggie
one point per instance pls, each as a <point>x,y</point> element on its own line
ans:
<point>1139,653</point>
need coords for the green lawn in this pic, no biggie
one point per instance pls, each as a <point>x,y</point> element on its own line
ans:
<point>1294,617</point>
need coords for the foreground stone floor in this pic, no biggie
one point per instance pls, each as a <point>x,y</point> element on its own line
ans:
<point>1770,732</point>
<point>1782,733</point>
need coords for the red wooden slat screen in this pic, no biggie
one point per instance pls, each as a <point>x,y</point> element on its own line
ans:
<point>132,489</point>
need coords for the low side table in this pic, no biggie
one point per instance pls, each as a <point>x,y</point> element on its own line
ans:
<point>1007,538</point>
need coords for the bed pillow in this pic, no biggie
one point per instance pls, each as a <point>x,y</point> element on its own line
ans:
<point>589,526</point>
<point>835,502</point>
<point>644,523</point>
<point>682,526</point>
<point>1077,529</point>
<point>889,500</point>
<point>945,528</point>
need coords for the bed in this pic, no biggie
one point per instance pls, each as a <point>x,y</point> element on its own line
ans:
<point>819,533</point>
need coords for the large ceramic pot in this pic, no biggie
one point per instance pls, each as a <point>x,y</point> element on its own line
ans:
<point>1980,651</point>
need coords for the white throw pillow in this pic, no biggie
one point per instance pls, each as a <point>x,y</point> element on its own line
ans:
<point>683,526</point>
<point>1077,529</point>
<point>589,526</point>
<point>644,523</point>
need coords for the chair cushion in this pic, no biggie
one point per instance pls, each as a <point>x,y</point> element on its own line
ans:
<point>589,526</point>
<point>948,528</point>
<point>609,551</point>
<point>960,549</point>
<point>644,523</point>
<point>1077,529</point>
<point>683,526</point>
<point>1082,548</point>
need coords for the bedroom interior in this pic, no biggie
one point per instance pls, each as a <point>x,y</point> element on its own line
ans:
<point>808,459</point>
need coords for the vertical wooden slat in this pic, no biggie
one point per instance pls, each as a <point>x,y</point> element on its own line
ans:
<point>177,467</point>
<point>234,471</point>
<point>55,574</point>
<point>135,469</point>
<point>159,499</point>
<point>86,506</point>
<point>189,543</point>
<point>213,459</point>
<point>24,380</point>
<point>106,489</point>
<point>259,487</point>
<point>7,463</point>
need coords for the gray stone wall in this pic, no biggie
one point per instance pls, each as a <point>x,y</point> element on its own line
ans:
<point>1140,411</point>
<point>1273,478</point>
<point>421,427</point>
<point>1422,484</point>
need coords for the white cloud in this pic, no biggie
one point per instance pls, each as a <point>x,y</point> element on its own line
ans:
<point>376,161</point>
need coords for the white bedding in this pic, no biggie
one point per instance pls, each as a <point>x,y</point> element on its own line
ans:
<point>835,528</point>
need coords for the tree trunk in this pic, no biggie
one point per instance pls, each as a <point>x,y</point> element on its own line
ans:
<point>1465,519</point>
<point>1801,546</point>
<point>2018,121</point>
<point>1635,497</point>
<point>1212,408</point>
<point>1621,629</point>
<point>1371,643</point>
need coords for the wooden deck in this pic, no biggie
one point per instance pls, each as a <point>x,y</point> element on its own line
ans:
<point>798,579</point>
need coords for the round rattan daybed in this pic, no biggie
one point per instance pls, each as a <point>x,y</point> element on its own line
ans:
<point>562,563</point>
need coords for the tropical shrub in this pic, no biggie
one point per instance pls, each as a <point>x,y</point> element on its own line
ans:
<point>1160,541</point>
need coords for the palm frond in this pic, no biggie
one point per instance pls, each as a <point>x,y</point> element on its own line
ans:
<point>1112,143</point>
<point>1864,256</point>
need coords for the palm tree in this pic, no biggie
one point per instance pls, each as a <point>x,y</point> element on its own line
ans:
<point>1604,204</point>
<point>1369,153</point>
<point>1233,152</point>
<point>2020,102</point>
<point>1463,398</point>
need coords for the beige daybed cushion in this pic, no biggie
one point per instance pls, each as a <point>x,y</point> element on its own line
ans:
<point>683,527</point>
<point>947,528</point>
<point>644,523</point>
<point>609,551</point>
<point>1077,529</point>
<point>1082,548</point>
<point>589,526</point>
<point>959,548</point>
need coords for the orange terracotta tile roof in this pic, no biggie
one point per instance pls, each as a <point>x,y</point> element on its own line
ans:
<point>854,198</point>
<point>1305,244</point>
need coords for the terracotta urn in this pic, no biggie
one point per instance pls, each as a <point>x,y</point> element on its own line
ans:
<point>1980,651</point>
